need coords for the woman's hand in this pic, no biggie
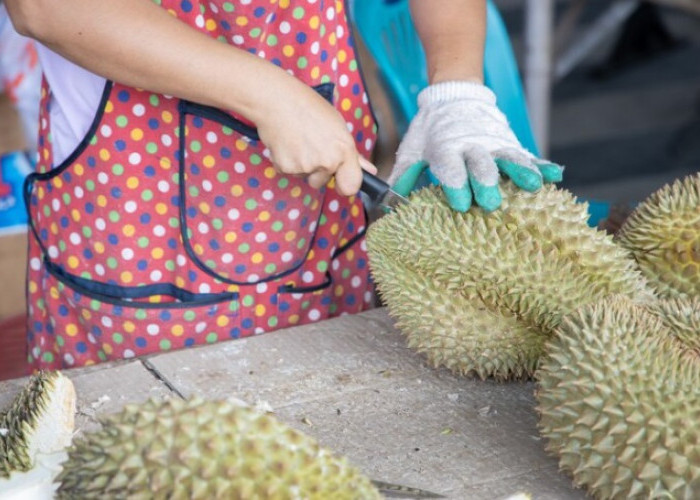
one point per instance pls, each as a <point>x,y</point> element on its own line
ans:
<point>308,137</point>
<point>137,43</point>
<point>466,142</point>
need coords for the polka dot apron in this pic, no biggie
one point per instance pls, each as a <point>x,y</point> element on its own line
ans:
<point>168,226</point>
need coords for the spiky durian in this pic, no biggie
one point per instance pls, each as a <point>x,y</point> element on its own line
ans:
<point>204,449</point>
<point>682,317</point>
<point>40,420</point>
<point>480,293</point>
<point>619,398</point>
<point>663,234</point>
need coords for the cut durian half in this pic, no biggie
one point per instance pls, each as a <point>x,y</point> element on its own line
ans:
<point>41,419</point>
<point>34,433</point>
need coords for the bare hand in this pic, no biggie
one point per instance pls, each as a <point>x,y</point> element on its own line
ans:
<point>307,136</point>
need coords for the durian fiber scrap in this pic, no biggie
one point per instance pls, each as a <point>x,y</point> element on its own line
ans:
<point>480,293</point>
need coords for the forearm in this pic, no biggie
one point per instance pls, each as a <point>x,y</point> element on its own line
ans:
<point>137,43</point>
<point>452,33</point>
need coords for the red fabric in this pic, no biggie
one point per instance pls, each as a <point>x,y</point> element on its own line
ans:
<point>136,251</point>
<point>13,348</point>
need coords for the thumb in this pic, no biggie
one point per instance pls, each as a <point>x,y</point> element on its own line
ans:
<point>367,165</point>
<point>348,176</point>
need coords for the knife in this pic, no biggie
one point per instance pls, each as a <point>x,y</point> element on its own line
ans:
<point>400,491</point>
<point>379,194</point>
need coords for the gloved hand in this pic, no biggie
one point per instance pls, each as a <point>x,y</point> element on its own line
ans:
<point>465,140</point>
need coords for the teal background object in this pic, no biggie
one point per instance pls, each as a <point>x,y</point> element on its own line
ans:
<point>388,32</point>
<point>14,168</point>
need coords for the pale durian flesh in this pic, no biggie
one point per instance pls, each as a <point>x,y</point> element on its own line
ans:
<point>663,234</point>
<point>40,420</point>
<point>619,398</point>
<point>204,449</point>
<point>480,293</point>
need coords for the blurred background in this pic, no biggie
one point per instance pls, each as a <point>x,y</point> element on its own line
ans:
<point>619,104</point>
<point>610,89</point>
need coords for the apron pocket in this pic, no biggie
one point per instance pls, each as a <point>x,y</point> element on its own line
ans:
<point>241,221</point>
<point>95,322</point>
<point>301,305</point>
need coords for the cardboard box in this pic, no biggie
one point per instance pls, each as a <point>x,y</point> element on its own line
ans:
<point>13,248</point>
<point>13,264</point>
<point>11,136</point>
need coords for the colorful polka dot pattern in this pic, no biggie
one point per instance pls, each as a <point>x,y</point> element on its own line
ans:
<point>237,216</point>
<point>151,249</point>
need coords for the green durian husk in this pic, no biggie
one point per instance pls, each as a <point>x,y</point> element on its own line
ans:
<point>197,449</point>
<point>39,420</point>
<point>619,398</point>
<point>663,234</point>
<point>480,293</point>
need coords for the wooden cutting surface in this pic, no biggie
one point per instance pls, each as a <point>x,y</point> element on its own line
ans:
<point>352,383</point>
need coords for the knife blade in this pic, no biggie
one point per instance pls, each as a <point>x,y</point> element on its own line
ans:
<point>379,194</point>
<point>400,491</point>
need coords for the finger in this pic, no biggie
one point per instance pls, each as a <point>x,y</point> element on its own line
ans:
<point>318,178</point>
<point>515,155</point>
<point>488,197</point>
<point>519,167</point>
<point>368,166</point>
<point>410,153</point>
<point>405,183</point>
<point>348,177</point>
<point>483,178</point>
<point>480,166</point>
<point>459,199</point>
<point>551,172</point>
<point>525,177</point>
<point>406,161</point>
<point>448,170</point>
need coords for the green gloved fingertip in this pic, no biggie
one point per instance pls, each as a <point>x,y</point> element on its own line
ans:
<point>487,197</point>
<point>551,172</point>
<point>406,182</point>
<point>523,177</point>
<point>459,199</point>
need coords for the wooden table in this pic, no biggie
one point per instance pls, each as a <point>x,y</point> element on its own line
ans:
<point>353,384</point>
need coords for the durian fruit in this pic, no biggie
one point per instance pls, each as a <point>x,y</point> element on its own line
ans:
<point>40,420</point>
<point>480,293</point>
<point>619,398</point>
<point>663,234</point>
<point>682,317</point>
<point>204,449</point>
<point>34,433</point>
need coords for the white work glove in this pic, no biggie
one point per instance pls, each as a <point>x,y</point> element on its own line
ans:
<point>465,140</point>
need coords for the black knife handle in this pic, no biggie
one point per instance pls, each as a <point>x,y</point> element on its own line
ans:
<point>374,187</point>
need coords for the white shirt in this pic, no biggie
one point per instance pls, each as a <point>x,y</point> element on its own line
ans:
<point>76,94</point>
